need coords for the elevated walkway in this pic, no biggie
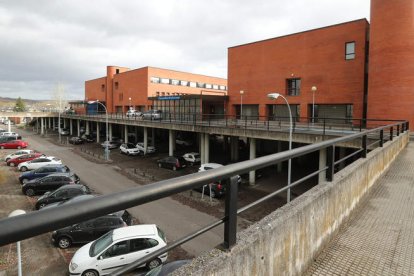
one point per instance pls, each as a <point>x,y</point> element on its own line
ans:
<point>378,238</point>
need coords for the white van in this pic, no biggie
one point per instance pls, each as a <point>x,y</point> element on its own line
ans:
<point>118,248</point>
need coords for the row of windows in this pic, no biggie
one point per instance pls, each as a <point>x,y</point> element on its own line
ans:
<point>188,83</point>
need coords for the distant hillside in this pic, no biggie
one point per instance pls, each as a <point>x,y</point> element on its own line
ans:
<point>8,101</point>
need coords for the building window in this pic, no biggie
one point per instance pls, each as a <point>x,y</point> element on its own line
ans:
<point>175,82</point>
<point>222,87</point>
<point>350,50</point>
<point>215,86</point>
<point>165,81</point>
<point>184,83</point>
<point>200,85</point>
<point>193,84</point>
<point>103,87</point>
<point>155,80</point>
<point>293,87</point>
<point>208,86</point>
<point>116,85</point>
<point>117,71</point>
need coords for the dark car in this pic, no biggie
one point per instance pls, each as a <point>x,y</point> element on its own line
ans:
<point>172,162</point>
<point>76,140</point>
<point>42,171</point>
<point>88,138</point>
<point>167,268</point>
<point>90,230</point>
<point>50,182</point>
<point>64,193</point>
<point>215,189</point>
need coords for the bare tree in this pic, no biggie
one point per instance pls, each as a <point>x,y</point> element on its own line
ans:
<point>59,97</point>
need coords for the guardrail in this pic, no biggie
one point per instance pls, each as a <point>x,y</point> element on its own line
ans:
<point>321,126</point>
<point>35,223</point>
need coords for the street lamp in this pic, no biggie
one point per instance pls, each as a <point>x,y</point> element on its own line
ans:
<point>107,133</point>
<point>241,104</point>
<point>314,88</point>
<point>274,96</point>
<point>18,212</point>
<point>129,103</point>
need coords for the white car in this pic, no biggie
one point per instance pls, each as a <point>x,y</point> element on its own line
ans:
<point>37,163</point>
<point>210,166</point>
<point>150,149</point>
<point>17,154</point>
<point>192,157</point>
<point>182,142</point>
<point>9,133</point>
<point>133,113</point>
<point>129,149</point>
<point>117,248</point>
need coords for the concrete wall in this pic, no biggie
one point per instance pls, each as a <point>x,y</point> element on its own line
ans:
<point>286,241</point>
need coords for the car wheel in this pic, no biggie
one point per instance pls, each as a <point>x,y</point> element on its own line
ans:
<point>23,169</point>
<point>2,147</point>
<point>213,194</point>
<point>90,273</point>
<point>159,165</point>
<point>42,205</point>
<point>19,147</point>
<point>64,242</point>
<point>128,153</point>
<point>29,192</point>
<point>11,164</point>
<point>174,168</point>
<point>25,180</point>
<point>153,264</point>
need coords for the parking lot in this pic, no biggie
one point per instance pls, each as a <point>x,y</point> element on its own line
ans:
<point>173,214</point>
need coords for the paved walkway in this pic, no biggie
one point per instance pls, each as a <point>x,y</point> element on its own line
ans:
<point>378,239</point>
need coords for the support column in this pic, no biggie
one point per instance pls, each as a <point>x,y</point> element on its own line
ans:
<point>64,122</point>
<point>110,131</point>
<point>78,127</point>
<point>71,127</point>
<point>126,133</point>
<point>171,142</point>
<point>206,148</point>
<point>48,120</point>
<point>53,123</point>
<point>42,126</point>
<point>322,164</point>
<point>97,132</point>
<point>145,139</point>
<point>252,174</point>
<point>279,149</point>
<point>202,153</point>
<point>87,127</point>
<point>37,126</point>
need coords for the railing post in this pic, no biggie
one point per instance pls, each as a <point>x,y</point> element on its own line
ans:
<point>230,212</point>
<point>330,162</point>
<point>360,125</point>
<point>324,126</point>
<point>398,130</point>
<point>391,133</point>
<point>381,143</point>
<point>364,147</point>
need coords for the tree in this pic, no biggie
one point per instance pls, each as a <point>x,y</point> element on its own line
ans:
<point>19,106</point>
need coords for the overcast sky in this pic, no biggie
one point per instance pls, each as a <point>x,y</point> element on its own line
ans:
<point>44,43</point>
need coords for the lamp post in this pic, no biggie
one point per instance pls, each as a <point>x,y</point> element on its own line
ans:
<point>241,104</point>
<point>274,96</point>
<point>107,133</point>
<point>129,103</point>
<point>18,212</point>
<point>314,88</point>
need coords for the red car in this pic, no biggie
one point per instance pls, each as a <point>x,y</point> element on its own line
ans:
<point>13,144</point>
<point>27,157</point>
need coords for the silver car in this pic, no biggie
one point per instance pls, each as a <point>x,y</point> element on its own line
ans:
<point>152,115</point>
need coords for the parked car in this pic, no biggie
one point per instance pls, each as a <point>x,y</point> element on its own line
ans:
<point>18,153</point>
<point>113,144</point>
<point>128,244</point>
<point>150,149</point>
<point>72,200</point>
<point>9,133</point>
<point>63,193</point>
<point>129,149</point>
<point>167,268</point>
<point>172,162</point>
<point>37,163</point>
<point>42,171</point>
<point>182,142</point>
<point>50,182</point>
<point>64,131</point>
<point>133,113</point>
<point>23,158</point>
<point>76,140</point>
<point>215,189</point>
<point>152,115</point>
<point>90,230</point>
<point>88,138</point>
<point>14,144</point>
<point>9,138</point>
<point>192,158</point>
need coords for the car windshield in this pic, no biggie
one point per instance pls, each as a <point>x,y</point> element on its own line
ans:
<point>196,155</point>
<point>100,244</point>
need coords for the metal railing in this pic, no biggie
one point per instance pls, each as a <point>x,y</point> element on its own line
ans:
<point>39,222</point>
<point>322,126</point>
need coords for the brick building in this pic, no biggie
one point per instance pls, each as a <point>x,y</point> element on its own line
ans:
<point>154,88</point>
